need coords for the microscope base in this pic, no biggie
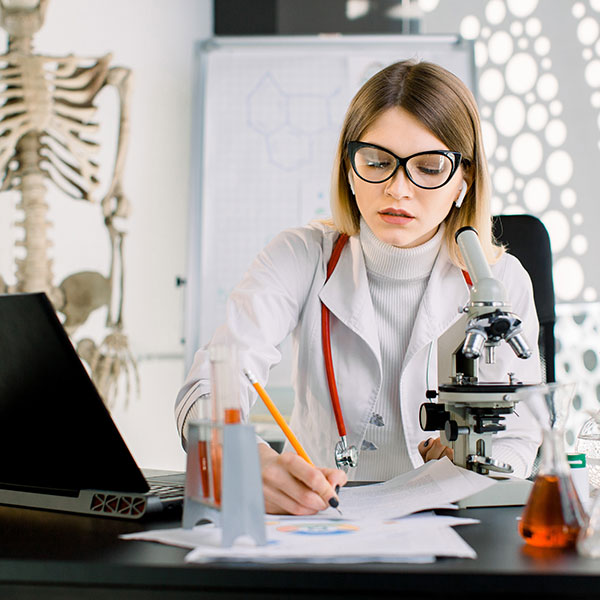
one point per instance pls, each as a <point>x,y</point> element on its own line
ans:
<point>505,492</point>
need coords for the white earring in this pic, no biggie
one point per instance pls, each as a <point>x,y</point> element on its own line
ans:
<point>461,196</point>
<point>350,183</point>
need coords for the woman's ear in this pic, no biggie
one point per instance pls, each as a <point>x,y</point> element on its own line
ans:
<point>461,196</point>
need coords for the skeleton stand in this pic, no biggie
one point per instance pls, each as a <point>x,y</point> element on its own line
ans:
<point>242,504</point>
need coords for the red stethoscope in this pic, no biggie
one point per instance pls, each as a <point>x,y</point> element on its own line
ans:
<point>345,456</point>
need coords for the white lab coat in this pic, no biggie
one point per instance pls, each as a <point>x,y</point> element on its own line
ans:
<point>281,294</point>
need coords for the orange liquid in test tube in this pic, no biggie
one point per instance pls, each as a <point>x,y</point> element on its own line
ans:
<point>232,416</point>
<point>216,452</point>
<point>225,376</point>
<point>203,457</point>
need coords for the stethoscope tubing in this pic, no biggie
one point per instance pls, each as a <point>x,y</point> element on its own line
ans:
<point>326,340</point>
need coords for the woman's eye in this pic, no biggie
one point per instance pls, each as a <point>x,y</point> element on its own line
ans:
<point>378,164</point>
<point>430,170</point>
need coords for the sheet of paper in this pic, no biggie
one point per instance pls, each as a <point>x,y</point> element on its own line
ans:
<point>415,539</point>
<point>434,485</point>
<point>378,524</point>
<point>319,541</point>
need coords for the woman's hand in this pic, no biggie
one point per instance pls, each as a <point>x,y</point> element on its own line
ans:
<point>432,448</point>
<point>292,486</point>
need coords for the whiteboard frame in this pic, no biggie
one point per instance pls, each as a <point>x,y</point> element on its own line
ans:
<point>202,51</point>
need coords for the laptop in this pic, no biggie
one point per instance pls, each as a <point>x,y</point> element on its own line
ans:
<point>59,447</point>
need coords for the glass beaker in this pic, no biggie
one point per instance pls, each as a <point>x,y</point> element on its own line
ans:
<point>553,515</point>
<point>588,443</point>
<point>588,542</point>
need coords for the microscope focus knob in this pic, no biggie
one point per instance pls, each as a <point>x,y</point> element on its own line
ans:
<point>432,416</point>
<point>451,430</point>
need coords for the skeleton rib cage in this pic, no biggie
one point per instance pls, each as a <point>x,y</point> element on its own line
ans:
<point>51,98</point>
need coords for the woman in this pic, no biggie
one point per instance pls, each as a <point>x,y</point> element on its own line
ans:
<point>410,171</point>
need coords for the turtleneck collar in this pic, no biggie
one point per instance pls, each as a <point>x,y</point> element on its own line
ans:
<point>399,263</point>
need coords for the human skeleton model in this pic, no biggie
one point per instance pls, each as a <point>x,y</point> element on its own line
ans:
<point>46,130</point>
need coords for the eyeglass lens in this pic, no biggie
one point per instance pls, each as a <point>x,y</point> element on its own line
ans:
<point>426,170</point>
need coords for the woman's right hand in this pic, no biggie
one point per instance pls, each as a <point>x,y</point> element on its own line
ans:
<point>292,486</point>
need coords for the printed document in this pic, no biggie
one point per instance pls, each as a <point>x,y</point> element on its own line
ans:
<point>375,525</point>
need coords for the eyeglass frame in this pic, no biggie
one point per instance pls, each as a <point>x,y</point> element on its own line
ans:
<point>354,146</point>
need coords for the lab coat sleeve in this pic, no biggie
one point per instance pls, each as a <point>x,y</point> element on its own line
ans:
<point>518,444</point>
<point>261,312</point>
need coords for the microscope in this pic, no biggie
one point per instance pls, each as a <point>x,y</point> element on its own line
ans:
<point>468,412</point>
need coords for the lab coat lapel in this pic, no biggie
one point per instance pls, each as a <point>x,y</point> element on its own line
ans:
<point>346,294</point>
<point>446,291</point>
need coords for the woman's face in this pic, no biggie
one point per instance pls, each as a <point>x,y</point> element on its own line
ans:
<point>397,211</point>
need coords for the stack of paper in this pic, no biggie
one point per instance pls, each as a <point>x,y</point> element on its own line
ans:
<point>374,527</point>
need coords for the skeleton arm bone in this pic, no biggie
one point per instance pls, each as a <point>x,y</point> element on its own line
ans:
<point>121,79</point>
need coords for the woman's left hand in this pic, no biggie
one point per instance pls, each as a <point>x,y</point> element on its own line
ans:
<point>433,448</point>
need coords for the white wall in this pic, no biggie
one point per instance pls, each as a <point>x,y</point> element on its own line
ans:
<point>155,39</point>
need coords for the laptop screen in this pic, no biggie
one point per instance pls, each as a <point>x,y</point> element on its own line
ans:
<point>56,434</point>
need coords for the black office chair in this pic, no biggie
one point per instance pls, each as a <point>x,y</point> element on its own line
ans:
<point>526,238</point>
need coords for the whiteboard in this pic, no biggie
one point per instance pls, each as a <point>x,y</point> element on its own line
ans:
<point>267,115</point>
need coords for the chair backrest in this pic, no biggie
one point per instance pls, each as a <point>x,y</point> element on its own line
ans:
<point>526,238</point>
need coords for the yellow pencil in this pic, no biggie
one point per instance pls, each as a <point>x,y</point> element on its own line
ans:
<point>289,434</point>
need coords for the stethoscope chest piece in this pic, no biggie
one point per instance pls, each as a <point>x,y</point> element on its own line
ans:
<point>345,456</point>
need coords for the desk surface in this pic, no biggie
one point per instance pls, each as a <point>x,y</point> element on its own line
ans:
<point>53,555</point>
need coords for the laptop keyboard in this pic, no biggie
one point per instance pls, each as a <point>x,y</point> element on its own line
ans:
<point>170,492</point>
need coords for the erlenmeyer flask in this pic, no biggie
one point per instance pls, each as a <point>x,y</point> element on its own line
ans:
<point>553,515</point>
<point>588,542</point>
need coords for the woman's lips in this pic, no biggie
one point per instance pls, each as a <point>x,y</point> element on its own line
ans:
<point>395,217</point>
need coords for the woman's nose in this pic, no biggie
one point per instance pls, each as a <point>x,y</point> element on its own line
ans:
<point>399,186</point>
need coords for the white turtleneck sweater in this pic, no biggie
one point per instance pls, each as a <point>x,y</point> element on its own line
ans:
<point>397,280</point>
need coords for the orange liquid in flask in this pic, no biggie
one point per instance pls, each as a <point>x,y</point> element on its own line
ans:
<point>553,515</point>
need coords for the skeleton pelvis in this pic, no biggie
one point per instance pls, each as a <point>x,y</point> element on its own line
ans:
<point>83,292</point>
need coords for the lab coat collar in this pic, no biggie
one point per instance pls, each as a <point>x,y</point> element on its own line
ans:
<point>346,294</point>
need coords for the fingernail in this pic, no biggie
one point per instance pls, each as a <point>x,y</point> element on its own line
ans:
<point>337,489</point>
<point>333,502</point>
<point>426,443</point>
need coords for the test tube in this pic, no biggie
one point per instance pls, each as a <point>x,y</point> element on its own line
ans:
<point>225,380</point>
<point>204,433</point>
<point>225,376</point>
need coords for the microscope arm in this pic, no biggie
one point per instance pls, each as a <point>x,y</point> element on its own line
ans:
<point>490,320</point>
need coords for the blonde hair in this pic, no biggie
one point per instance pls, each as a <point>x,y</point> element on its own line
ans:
<point>444,105</point>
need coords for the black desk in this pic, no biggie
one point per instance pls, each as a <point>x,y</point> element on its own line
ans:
<point>51,555</point>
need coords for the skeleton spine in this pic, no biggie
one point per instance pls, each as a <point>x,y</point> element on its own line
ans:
<point>34,272</point>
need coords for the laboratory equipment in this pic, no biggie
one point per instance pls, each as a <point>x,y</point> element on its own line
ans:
<point>588,443</point>
<point>223,477</point>
<point>554,514</point>
<point>580,476</point>
<point>469,412</point>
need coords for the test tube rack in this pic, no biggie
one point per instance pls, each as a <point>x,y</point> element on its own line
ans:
<point>239,507</point>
